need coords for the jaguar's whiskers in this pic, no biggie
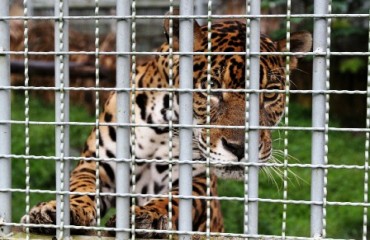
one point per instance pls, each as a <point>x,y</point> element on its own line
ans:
<point>276,173</point>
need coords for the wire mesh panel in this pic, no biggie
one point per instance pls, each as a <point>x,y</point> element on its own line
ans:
<point>241,124</point>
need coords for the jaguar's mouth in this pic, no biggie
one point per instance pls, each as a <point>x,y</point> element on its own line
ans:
<point>233,168</point>
<point>229,171</point>
<point>233,171</point>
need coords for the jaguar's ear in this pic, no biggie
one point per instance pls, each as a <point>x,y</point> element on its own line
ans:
<point>198,34</point>
<point>299,42</point>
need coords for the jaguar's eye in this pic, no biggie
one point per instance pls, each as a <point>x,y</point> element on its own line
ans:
<point>213,83</point>
<point>272,94</point>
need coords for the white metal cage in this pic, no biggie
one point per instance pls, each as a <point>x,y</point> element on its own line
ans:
<point>126,20</point>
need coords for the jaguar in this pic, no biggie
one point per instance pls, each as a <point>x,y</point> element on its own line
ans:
<point>152,110</point>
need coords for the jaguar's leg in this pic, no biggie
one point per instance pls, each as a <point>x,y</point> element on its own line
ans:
<point>82,207</point>
<point>154,214</point>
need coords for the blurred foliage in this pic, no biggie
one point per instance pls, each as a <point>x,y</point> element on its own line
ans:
<point>352,65</point>
<point>268,4</point>
<point>344,28</point>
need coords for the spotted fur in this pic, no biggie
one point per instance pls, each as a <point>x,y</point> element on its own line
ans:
<point>152,107</point>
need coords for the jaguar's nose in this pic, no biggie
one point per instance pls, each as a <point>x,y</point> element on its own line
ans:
<point>235,148</point>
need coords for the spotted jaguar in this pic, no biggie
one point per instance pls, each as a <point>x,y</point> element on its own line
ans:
<point>152,110</point>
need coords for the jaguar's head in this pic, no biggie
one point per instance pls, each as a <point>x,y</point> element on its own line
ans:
<point>227,109</point>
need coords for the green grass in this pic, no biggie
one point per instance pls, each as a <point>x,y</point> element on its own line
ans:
<point>42,142</point>
<point>343,185</point>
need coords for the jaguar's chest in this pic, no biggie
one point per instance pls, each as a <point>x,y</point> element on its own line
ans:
<point>154,178</point>
<point>153,135</point>
<point>157,143</point>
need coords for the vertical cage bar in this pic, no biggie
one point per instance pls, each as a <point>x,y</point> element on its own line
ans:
<point>26,114</point>
<point>286,120</point>
<point>201,9</point>
<point>208,119</point>
<point>186,115</point>
<point>318,117</point>
<point>327,108</point>
<point>62,115</point>
<point>133,112</point>
<point>5,163</point>
<point>253,79</point>
<point>123,117</point>
<point>367,143</point>
<point>170,119</point>
<point>29,6</point>
<point>97,122</point>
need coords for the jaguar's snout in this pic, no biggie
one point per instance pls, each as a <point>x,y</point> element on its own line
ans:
<point>235,148</point>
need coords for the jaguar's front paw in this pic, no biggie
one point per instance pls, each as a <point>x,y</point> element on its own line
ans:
<point>45,214</point>
<point>146,219</point>
<point>42,213</point>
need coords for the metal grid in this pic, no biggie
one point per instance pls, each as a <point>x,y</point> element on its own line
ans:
<point>125,156</point>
